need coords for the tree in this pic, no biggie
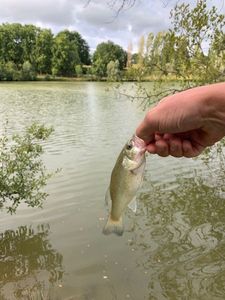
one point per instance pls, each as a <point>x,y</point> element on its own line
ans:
<point>98,68</point>
<point>27,71</point>
<point>65,55</point>
<point>69,50</point>
<point>106,52</point>
<point>11,47</point>
<point>28,42</point>
<point>141,53</point>
<point>82,47</point>
<point>129,55</point>
<point>17,45</point>
<point>113,71</point>
<point>9,71</point>
<point>79,70</point>
<point>43,51</point>
<point>197,27</point>
<point>134,58</point>
<point>192,50</point>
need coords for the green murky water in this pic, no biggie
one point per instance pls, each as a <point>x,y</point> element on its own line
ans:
<point>173,248</point>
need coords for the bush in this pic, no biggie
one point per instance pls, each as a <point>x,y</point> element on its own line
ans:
<point>22,173</point>
<point>79,70</point>
<point>9,71</point>
<point>27,71</point>
<point>113,71</point>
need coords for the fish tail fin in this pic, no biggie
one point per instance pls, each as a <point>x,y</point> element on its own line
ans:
<point>113,226</point>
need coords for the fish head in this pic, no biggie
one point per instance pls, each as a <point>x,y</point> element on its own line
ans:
<point>135,149</point>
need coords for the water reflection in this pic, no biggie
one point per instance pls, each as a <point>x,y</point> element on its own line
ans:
<point>180,233</point>
<point>29,265</point>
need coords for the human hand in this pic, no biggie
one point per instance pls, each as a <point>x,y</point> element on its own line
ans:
<point>186,123</point>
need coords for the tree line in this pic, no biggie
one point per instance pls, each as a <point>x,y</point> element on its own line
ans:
<point>27,50</point>
<point>192,49</point>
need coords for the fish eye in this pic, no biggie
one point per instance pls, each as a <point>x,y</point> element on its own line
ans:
<point>129,146</point>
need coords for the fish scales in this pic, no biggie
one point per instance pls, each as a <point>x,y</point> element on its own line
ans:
<point>126,178</point>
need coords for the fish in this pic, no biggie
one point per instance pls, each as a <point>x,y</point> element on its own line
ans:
<point>126,179</point>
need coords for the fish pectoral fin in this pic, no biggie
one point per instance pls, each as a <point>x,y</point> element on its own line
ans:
<point>133,205</point>
<point>129,164</point>
<point>113,226</point>
<point>107,197</point>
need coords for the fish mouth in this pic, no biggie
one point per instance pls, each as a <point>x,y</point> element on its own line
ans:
<point>143,151</point>
<point>139,143</point>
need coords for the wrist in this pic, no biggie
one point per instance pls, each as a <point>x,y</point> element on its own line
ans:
<point>214,104</point>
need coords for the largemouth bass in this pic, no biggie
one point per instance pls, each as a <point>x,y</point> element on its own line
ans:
<point>126,178</point>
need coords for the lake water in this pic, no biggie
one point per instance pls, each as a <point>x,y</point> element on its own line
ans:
<point>172,248</point>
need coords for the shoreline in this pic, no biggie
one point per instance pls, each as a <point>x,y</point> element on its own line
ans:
<point>152,78</point>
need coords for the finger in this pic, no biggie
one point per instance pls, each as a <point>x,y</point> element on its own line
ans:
<point>167,136</point>
<point>191,149</point>
<point>151,148</point>
<point>144,133</point>
<point>147,128</point>
<point>158,136</point>
<point>175,147</point>
<point>162,148</point>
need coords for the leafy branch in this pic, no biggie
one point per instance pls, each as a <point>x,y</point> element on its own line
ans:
<point>22,172</point>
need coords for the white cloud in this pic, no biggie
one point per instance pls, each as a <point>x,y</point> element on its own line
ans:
<point>53,12</point>
<point>96,22</point>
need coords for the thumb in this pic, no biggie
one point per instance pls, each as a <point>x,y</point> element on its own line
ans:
<point>149,126</point>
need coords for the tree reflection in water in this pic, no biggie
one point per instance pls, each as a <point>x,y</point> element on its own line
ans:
<point>180,233</point>
<point>29,266</point>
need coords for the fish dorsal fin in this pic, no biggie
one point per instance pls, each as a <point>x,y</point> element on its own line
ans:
<point>133,205</point>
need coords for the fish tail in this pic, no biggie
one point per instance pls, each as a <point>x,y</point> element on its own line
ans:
<point>113,226</point>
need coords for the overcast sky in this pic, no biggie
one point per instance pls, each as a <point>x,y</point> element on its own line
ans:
<point>96,21</point>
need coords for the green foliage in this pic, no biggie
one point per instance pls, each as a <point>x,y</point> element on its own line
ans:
<point>9,71</point>
<point>194,28</point>
<point>65,54</point>
<point>191,52</point>
<point>22,173</point>
<point>11,39</point>
<point>113,71</point>
<point>78,70</point>
<point>47,54</point>
<point>98,68</point>
<point>69,50</point>
<point>82,46</point>
<point>106,52</point>
<point>27,71</point>
<point>43,51</point>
